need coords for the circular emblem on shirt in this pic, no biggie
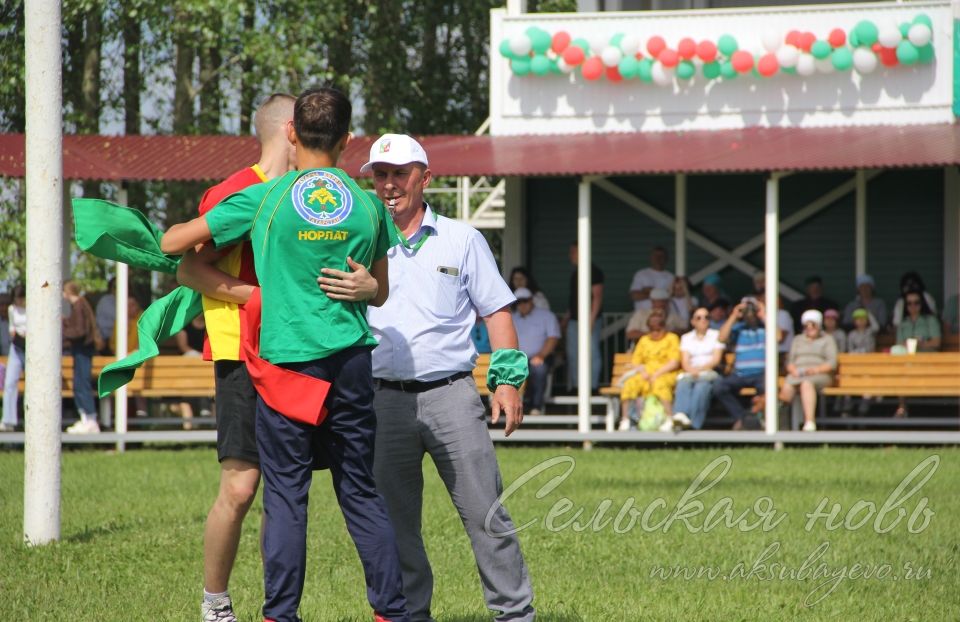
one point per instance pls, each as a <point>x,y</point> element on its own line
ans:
<point>321,198</point>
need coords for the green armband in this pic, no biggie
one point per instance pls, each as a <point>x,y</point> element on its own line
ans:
<point>507,367</point>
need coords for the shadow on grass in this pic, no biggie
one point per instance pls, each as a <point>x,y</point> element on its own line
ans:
<point>542,616</point>
<point>89,534</point>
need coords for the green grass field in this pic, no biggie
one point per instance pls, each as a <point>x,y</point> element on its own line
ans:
<point>132,525</point>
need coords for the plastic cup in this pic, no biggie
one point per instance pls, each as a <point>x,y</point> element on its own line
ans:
<point>911,345</point>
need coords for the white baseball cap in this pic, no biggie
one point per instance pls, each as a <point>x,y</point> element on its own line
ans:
<point>522,293</point>
<point>395,149</point>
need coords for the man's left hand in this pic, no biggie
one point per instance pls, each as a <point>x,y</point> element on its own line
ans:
<point>355,286</point>
<point>506,399</point>
<point>536,361</point>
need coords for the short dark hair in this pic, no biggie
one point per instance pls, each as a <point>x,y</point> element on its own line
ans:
<point>321,118</point>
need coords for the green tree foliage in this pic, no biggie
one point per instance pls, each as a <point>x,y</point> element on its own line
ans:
<point>201,67</point>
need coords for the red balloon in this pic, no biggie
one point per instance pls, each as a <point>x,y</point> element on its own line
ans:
<point>837,37</point>
<point>592,68</point>
<point>793,38</point>
<point>561,40</point>
<point>888,56</point>
<point>573,55</point>
<point>669,58</point>
<point>687,48</point>
<point>807,39</point>
<point>768,65</point>
<point>707,51</point>
<point>742,61</point>
<point>613,74</point>
<point>876,47</point>
<point>655,45</point>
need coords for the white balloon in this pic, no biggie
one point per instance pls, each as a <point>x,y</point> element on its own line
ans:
<point>520,45</point>
<point>772,40</point>
<point>889,36</point>
<point>662,75</point>
<point>864,60</point>
<point>824,65</point>
<point>629,45</point>
<point>611,56</point>
<point>920,35</point>
<point>788,55</point>
<point>806,65</point>
<point>598,43</point>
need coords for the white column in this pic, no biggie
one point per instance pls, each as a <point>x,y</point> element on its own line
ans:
<point>122,327</point>
<point>680,232</point>
<point>584,327</point>
<point>772,276</point>
<point>861,222</point>
<point>44,186</point>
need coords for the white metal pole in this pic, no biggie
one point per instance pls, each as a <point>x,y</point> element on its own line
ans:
<point>44,187</point>
<point>772,276</point>
<point>584,326</point>
<point>122,327</point>
<point>680,232</point>
<point>861,222</point>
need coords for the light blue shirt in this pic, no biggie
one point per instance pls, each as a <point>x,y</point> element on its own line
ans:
<point>424,326</point>
<point>534,329</point>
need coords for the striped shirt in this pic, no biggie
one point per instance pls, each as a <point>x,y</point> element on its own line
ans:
<point>749,349</point>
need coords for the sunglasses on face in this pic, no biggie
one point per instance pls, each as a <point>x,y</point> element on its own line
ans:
<point>700,317</point>
<point>913,303</point>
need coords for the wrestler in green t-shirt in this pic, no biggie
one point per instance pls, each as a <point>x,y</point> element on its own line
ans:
<point>298,224</point>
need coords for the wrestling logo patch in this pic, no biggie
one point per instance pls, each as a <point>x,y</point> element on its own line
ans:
<point>321,198</point>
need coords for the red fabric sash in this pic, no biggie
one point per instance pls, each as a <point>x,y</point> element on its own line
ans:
<point>297,396</point>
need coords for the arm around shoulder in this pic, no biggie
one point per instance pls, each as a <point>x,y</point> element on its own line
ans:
<point>184,236</point>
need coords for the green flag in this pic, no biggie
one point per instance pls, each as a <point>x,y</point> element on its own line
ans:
<point>112,231</point>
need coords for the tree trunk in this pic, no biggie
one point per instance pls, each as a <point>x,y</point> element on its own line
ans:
<point>247,80</point>
<point>132,85</point>
<point>88,121</point>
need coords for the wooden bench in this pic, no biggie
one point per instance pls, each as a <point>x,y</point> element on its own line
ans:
<point>925,374</point>
<point>162,376</point>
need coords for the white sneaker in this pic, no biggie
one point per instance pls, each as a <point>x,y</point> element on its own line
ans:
<point>809,426</point>
<point>681,420</point>
<point>667,426</point>
<point>535,412</point>
<point>624,425</point>
<point>89,426</point>
<point>218,610</point>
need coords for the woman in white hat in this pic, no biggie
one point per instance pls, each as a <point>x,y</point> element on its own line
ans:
<point>810,366</point>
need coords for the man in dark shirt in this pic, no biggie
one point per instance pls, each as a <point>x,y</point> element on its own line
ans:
<point>570,323</point>
<point>813,300</point>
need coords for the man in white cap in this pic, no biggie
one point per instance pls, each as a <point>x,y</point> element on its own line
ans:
<point>538,333</point>
<point>659,299</point>
<point>441,273</point>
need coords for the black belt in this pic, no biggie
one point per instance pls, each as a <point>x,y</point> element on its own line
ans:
<point>415,386</point>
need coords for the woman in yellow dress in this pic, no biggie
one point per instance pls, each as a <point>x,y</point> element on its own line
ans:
<point>655,362</point>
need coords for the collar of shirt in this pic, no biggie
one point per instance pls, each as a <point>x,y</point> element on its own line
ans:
<point>428,226</point>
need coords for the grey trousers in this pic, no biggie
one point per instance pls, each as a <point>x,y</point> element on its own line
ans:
<point>448,423</point>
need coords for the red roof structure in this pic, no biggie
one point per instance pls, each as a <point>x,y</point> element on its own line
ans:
<point>753,150</point>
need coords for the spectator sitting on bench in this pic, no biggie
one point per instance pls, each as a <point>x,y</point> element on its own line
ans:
<point>682,302</point>
<point>700,353</point>
<point>655,362</point>
<point>810,366</point>
<point>831,326</point>
<point>719,312</point>
<point>521,277</point>
<point>744,329</point>
<point>660,300</point>
<point>911,282</point>
<point>537,333</point>
<point>866,299</point>
<point>861,340</point>
<point>920,325</point>
<point>814,299</point>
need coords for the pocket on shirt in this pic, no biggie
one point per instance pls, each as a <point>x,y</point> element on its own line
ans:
<point>447,294</point>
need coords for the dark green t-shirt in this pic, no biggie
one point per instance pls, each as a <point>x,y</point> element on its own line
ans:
<point>298,224</point>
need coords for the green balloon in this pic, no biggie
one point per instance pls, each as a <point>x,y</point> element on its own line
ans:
<point>866,32</point>
<point>615,39</point>
<point>555,66</point>
<point>540,65</point>
<point>628,67</point>
<point>505,50</point>
<point>645,70</point>
<point>790,70</point>
<point>686,70</point>
<point>907,53</point>
<point>520,66</point>
<point>926,54</point>
<point>820,49</point>
<point>842,59</point>
<point>923,18</point>
<point>727,70</point>
<point>540,39</point>
<point>583,44</point>
<point>905,29</point>
<point>853,38</point>
<point>711,71</point>
<point>727,45</point>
